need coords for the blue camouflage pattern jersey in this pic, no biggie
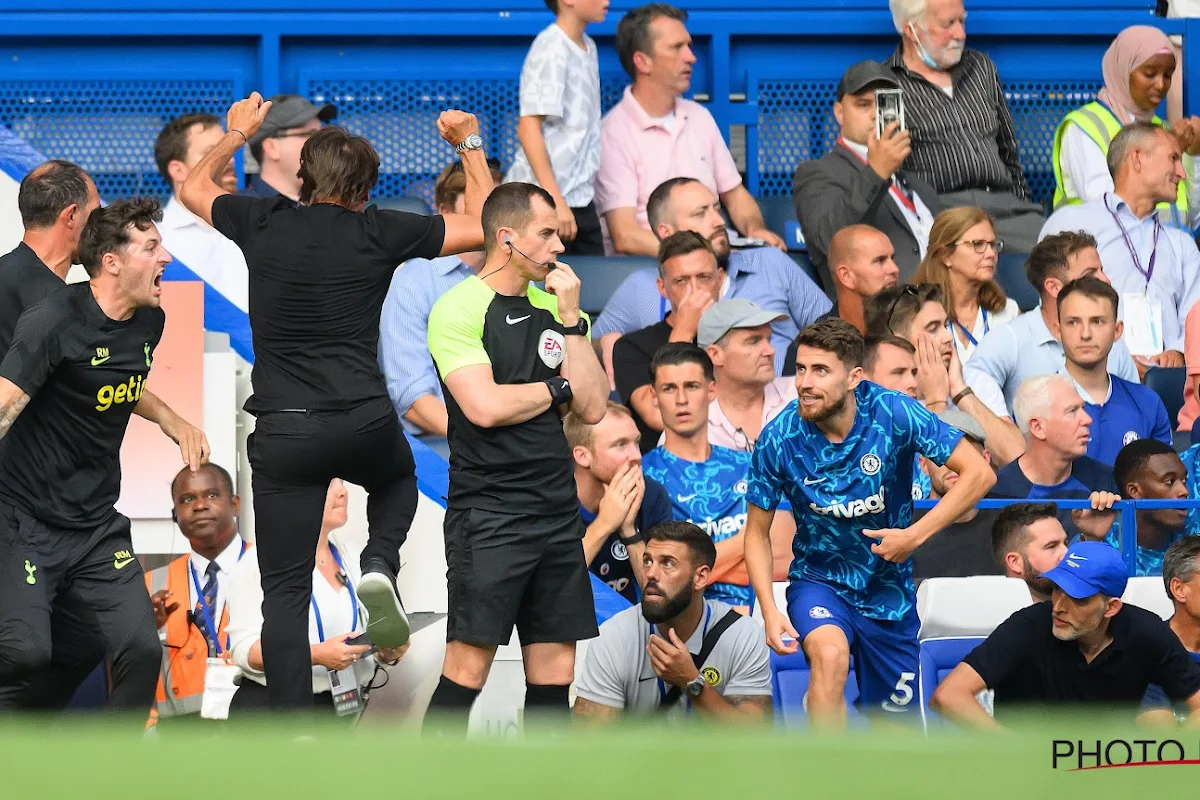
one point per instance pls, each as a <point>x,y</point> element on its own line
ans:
<point>710,494</point>
<point>838,490</point>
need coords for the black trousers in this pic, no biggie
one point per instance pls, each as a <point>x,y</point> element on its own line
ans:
<point>589,238</point>
<point>62,593</point>
<point>294,456</point>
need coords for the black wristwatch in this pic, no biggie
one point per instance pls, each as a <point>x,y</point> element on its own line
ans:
<point>560,390</point>
<point>630,540</point>
<point>578,329</point>
<point>695,687</point>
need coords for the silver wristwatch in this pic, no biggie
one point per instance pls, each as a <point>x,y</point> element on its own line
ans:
<point>695,687</point>
<point>472,142</point>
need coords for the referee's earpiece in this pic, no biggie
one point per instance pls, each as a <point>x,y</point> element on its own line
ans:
<point>174,516</point>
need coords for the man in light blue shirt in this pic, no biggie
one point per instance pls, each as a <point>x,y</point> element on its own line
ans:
<point>412,380</point>
<point>1154,267</point>
<point>764,275</point>
<point>1031,345</point>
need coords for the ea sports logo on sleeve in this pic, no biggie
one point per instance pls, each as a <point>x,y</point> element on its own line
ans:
<point>552,348</point>
<point>870,464</point>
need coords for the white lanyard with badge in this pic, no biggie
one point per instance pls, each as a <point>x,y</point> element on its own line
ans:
<point>343,683</point>
<point>1143,317</point>
<point>220,674</point>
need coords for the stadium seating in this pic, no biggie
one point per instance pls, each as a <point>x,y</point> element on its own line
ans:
<point>778,211</point>
<point>937,658</point>
<point>789,684</point>
<point>1149,593</point>
<point>805,263</point>
<point>601,275</point>
<point>1010,274</point>
<point>952,607</point>
<point>1167,383</point>
<point>413,205</point>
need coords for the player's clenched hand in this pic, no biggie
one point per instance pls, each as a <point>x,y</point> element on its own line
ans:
<point>778,625</point>
<point>247,115</point>
<point>455,126</point>
<point>163,608</point>
<point>895,544</point>
<point>563,283</point>
<point>629,524</point>
<point>193,444</point>
<point>671,660</point>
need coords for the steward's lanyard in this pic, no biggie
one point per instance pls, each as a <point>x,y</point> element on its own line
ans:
<point>207,612</point>
<point>353,598</point>
<point>1148,270</point>
<point>899,194</point>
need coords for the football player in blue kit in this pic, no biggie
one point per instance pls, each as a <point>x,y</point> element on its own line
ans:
<point>843,455</point>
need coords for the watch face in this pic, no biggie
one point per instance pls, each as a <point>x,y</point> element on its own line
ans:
<point>474,141</point>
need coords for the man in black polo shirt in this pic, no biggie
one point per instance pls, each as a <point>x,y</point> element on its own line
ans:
<point>689,279</point>
<point>1083,648</point>
<point>319,273</point>
<point>513,358</point>
<point>617,502</point>
<point>76,369</point>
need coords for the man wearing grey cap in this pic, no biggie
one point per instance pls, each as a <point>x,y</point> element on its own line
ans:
<point>964,548</point>
<point>859,181</point>
<point>737,335</point>
<point>276,146</point>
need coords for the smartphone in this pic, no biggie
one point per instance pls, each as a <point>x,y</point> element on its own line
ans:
<point>889,108</point>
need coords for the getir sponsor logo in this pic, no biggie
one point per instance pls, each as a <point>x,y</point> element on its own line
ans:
<point>128,392</point>
<point>852,508</point>
<point>725,526</point>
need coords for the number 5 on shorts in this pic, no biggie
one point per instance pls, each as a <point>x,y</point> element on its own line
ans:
<point>904,693</point>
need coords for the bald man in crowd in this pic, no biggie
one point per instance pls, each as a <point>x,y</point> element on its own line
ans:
<point>862,263</point>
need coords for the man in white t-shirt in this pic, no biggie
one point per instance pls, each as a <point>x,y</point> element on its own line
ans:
<point>559,129</point>
<point>648,656</point>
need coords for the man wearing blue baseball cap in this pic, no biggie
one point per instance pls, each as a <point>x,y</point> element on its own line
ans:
<point>1082,648</point>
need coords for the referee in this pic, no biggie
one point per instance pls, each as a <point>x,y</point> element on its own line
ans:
<point>513,359</point>
<point>318,276</point>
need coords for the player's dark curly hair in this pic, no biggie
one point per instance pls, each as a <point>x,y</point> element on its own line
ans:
<point>699,544</point>
<point>108,228</point>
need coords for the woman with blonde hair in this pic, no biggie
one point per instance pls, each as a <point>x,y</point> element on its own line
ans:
<point>961,258</point>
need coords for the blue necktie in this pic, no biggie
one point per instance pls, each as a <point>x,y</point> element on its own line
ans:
<point>210,600</point>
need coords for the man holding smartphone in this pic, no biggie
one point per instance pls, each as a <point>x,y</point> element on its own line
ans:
<point>860,181</point>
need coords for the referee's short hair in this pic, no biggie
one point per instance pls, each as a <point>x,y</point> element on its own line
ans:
<point>50,188</point>
<point>699,544</point>
<point>834,335</point>
<point>580,433</point>
<point>336,165</point>
<point>107,229</point>
<point>510,206</point>
<point>676,354</point>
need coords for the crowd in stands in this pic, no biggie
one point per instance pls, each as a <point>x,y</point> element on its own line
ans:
<point>905,228</point>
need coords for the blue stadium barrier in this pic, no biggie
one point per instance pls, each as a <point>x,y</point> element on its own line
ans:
<point>768,70</point>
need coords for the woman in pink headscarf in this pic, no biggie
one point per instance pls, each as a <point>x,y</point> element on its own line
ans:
<point>1138,68</point>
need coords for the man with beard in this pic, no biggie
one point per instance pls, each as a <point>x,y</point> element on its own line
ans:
<point>843,457</point>
<point>861,264</point>
<point>675,645</point>
<point>1147,469</point>
<point>1083,648</point>
<point>763,275</point>
<point>1027,541</point>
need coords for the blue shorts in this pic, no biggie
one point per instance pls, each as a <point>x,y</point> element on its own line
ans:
<point>885,653</point>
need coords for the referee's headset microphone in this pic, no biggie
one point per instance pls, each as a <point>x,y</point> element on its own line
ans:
<point>550,265</point>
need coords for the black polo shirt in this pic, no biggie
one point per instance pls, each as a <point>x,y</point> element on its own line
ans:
<point>631,371</point>
<point>24,281</point>
<point>1025,664</point>
<point>960,550</point>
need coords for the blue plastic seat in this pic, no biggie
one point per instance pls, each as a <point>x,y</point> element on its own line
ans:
<point>938,658</point>
<point>1168,383</point>
<point>600,276</point>
<point>790,676</point>
<point>1010,274</point>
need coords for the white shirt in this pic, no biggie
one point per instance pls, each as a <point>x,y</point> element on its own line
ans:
<point>920,221</point>
<point>985,322</point>
<point>561,82</point>
<point>1086,175</point>
<point>245,615</point>
<point>202,249</point>
<point>1175,285</point>
<point>226,560</point>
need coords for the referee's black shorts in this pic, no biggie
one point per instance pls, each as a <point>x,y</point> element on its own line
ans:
<point>515,569</point>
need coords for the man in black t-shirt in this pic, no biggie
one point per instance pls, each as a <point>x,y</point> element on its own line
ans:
<point>55,200</point>
<point>1082,648</point>
<point>617,502</point>
<point>319,273</point>
<point>76,369</point>
<point>688,277</point>
<point>512,358</point>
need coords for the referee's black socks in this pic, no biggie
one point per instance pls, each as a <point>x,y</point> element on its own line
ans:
<point>450,708</point>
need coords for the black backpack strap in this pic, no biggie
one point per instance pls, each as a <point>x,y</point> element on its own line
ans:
<point>706,647</point>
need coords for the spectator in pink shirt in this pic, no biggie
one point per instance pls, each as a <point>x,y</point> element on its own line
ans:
<point>1191,357</point>
<point>737,335</point>
<point>654,134</point>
